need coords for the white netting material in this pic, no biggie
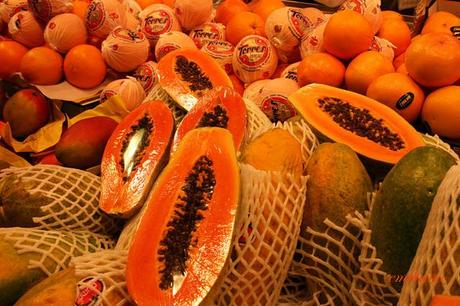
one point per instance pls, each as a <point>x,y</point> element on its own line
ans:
<point>51,251</point>
<point>436,265</point>
<point>127,234</point>
<point>266,236</point>
<point>107,267</point>
<point>71,198</point>
<point>158,93</point>
<point>257,121</point>
<point>371,286</point>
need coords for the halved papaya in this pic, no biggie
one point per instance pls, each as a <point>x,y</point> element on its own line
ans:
<point>134,156</point>
<point>370,128</point>
<point>185,234</point>
<point>186,74</point>
<point>220,107</point>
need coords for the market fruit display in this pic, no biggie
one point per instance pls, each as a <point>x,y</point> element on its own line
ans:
<point>134,156</point>
<point>190,233</point>
<point>408,190</point>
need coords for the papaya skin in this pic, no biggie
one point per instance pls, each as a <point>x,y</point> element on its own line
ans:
<point>338,185</point>
<point>82,145</point>
<point>15,277</point>
<point>402,206</point>
<point>56,290</point>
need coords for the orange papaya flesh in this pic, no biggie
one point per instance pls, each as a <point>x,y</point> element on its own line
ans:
<point>220,107</point>
<point>370,128</point>
<point>185,234</point>
<point>444,300</point>
<point>134,157</point>
<point>186,74</point>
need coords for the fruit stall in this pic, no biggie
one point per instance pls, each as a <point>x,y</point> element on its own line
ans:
<point>265,152</point>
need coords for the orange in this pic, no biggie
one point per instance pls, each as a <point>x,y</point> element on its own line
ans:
<point>397,32</point>
<point>347,34</point>
<point>399,60</point>
<point>84,66</point>
<point>42,66</point>
<point>399,92</point>
<point>237,84</point>
<point>144,3</point>
<point>433,60</point>
<point>229,8</point>
<point>79,8</point>
<point>320,68</point>
<point>441,22</point>
<point>264,8</point>
<point>391,15</point>
<point>11,53</point>
<point>364,69</point>
<point>442,111</point>
<point>244,24</point>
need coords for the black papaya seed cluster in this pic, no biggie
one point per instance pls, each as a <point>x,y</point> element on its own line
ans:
<point>145,123</point>
<point>196,194</point>
<point>216,118</point>
<point>191,72</point>
<point>360,122</point>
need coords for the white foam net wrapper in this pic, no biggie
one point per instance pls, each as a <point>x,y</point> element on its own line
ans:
<point>257,121</point>
<point>373,287</point>
<point>51,251</point>
<point>158,93</point>
<point>266,236</point>
<point>107,268</point>
<point>70,198</point>
<point>127,234</point>
<point>436,265</point>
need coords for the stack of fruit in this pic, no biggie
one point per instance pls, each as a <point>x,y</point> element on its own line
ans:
<point>220,191</point>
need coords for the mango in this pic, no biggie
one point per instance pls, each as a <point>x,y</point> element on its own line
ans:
<point>82,145</point>
<point>338,185</point>
<point>59,289</point>
<point>26,112</point>
<point>402,206</point>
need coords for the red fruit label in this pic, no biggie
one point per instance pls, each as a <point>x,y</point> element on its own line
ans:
<point>219,49</point>
<point>23,6</point>
<point>298,24</point>
<point>277,108</point>
<point>128,35</point>
<point>89,291</point>
<point>146,75</point>
<point>165,49</point>
<point>41,8</point>
<point>106,94</point>
<point>51,25</point>
<point>405,101</point>
<point>208,32</point>
<point>375,45</point>
<point>156,23</point>
<point>254,52</point>
<point>95,15</point>
<point>354,5</point>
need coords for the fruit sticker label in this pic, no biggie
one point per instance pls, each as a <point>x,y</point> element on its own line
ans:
<point>455,31</point>
<point>355,5</point>
<point>253,52</point>
<point>219,49</point>
<point>277,108</point>
<point>156,23</point>
<point>405,101</point>
<point>290,75</point>
<point>89,291</point>
<point>106,94</point>
<point>95,15</point>
<point>298,24</point>
<point>165,49</point>
<point>145,74</point>
<point>128,35</point>
<point>207,32</point>
<point>42,9</point>
<point>19,7</point>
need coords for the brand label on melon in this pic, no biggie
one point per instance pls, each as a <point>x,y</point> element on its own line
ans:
<point>354,5</point>
<point>106,94</point>
<point>277,108</point>
<point>165,49</point>
<point>157,22</point>
<point>405,101</point>
<point>219,49</point>
<point>297,22</point>
<point>207,32</point>
<point>42,8</point>
<point>89,291</point>
<point>253,52</point>
<point>95,15</point>
<point>128,35</point>
<point>145,74</point>
<point>23,6</point>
